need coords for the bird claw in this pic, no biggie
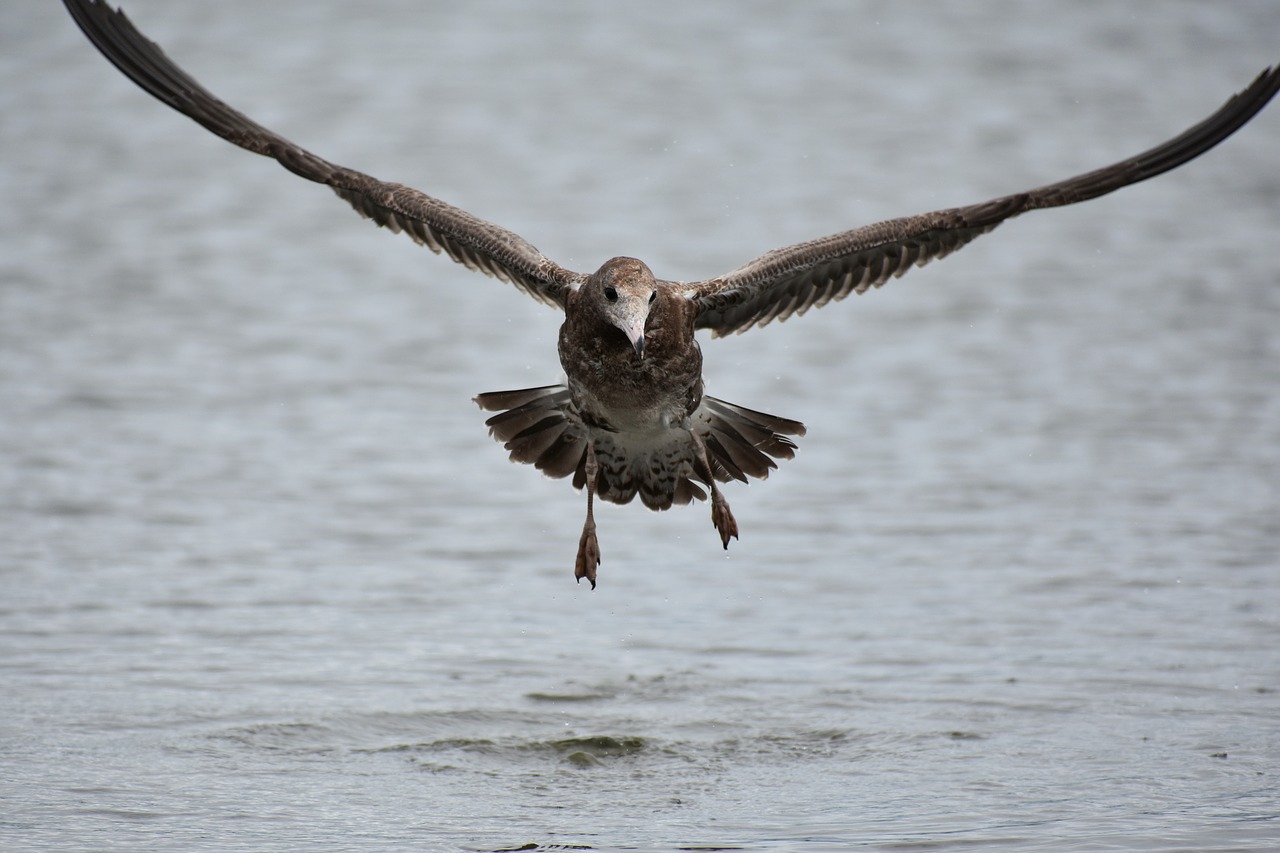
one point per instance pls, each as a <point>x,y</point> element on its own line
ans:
<point>725,523</point>
<point>588,557</point>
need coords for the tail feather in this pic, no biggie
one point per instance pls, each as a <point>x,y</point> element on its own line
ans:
<point>742,440</point>
<point>501,401</point>
<point>535,429</point>
<point>567,456</point>
<point>529,445</point>
<point>686,491</point>
<point>541,427</point>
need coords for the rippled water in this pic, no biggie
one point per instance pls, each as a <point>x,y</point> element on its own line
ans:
<point>267,584</point>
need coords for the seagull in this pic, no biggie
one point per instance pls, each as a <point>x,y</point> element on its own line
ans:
<point>631,417</point>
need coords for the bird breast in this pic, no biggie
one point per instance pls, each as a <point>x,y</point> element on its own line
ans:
<point>615,388</point>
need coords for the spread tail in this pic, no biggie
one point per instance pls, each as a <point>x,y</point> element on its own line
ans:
<point>541,427</point>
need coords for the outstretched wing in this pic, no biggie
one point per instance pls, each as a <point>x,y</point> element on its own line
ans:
<point>794,279</point>
<point>468,240</point>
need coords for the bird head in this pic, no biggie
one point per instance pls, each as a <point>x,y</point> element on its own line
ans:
<point>624,290</point>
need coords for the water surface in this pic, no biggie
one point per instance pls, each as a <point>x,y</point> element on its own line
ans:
<point>269,585</point>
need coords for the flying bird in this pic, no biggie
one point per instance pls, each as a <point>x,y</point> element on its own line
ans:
<point>631,417</point>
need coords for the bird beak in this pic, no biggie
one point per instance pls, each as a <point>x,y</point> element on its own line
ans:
<point>635,334</point>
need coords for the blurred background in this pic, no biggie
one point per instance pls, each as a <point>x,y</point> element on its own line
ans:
<point>268,584</point>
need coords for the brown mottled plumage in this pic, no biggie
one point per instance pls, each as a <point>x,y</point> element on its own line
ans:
<point>632,418</point>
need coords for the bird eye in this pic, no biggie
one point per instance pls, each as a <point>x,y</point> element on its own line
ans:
<point>611,293</point>
<point>653,296</point>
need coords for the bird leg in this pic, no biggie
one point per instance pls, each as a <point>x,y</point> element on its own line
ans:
<point>588,548</point>
<point>721,516</point>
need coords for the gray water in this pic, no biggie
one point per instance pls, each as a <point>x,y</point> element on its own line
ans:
<point>268,585</point>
